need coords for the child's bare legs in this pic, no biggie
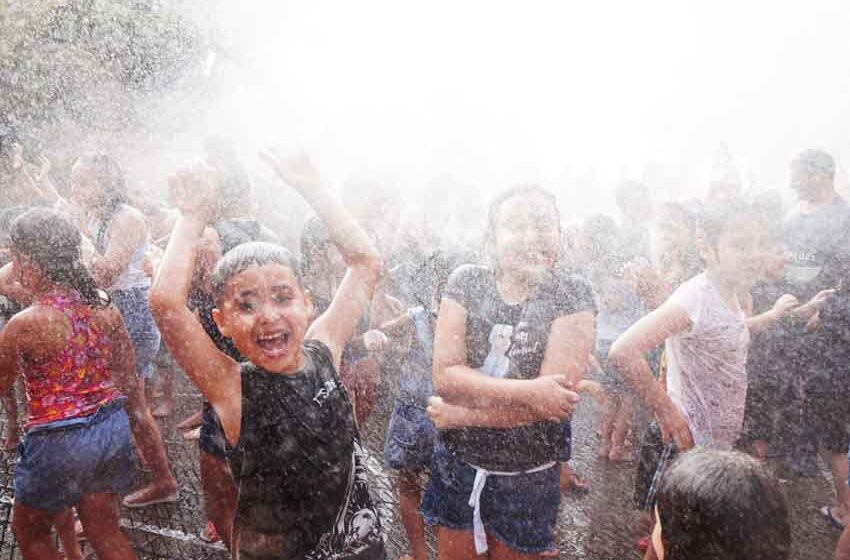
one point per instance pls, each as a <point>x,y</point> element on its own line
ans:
<point>163,390</point>
<point>455,545</point>
<point>33,530</point>
<point>220,495</point>
<point>842,551</point>
<point>68,535</point>
<point>10,407</point>
<point>146,434</point>
<point>499,551</point>
<point>99,515</point>
<point>838,465</point>
<point>621,426</point>
<point>410,498</point>
<point>606,424</point>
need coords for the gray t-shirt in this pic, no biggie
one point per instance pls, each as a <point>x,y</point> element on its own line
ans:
<point>812,243</point>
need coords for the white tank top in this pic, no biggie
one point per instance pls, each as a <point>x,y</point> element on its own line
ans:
<point>134,275</point>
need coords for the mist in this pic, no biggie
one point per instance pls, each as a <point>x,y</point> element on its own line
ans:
<point>567,94</point>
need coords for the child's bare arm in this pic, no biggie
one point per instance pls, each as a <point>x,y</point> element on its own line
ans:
<point>783,306</point>
<point>214,373</point>
<point>336,325</point>
<point>628,359</point>
<point>446,415</point>
<point>548,396</point>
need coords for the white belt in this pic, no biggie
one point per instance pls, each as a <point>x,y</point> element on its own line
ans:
<point>475,500</point>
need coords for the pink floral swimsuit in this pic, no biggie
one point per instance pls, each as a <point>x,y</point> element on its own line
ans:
<point>77,382</point>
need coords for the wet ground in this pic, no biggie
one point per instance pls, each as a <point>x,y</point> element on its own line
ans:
<point>601,525</point>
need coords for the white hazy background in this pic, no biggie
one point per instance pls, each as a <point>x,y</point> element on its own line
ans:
<point>466,95</point>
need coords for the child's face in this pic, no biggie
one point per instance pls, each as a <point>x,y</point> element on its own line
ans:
<point>740,252</point>
<point>265,312</point>
<point>526,234</point>
<point>85,188</point>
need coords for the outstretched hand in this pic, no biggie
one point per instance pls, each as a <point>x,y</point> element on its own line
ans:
<point>294,168</point>
<point>193,190</point>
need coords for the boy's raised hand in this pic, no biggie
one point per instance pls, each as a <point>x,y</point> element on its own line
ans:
<point>193,190</point>
<point>295,168</point>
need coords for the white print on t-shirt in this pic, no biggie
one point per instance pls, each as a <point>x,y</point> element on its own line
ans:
<point>497,363</point>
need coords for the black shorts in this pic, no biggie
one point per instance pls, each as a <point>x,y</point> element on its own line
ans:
<point>212,434</point>
<point>826,414</point>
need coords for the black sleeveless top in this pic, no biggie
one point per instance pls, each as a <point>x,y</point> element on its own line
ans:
<point>300,468</point>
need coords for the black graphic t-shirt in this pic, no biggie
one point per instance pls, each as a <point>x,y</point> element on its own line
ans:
<point>300,469</point>
<point>509,340</point>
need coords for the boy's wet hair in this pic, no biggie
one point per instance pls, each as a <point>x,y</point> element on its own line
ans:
<point>53,243</point>
<point>714,218</point>
<point>243,257</point>
<point>717,505</point>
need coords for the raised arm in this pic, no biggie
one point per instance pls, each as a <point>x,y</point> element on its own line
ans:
<point>627,358</point>
<point>336,325</point>
<point>214,373</point>
<point>26,187</point>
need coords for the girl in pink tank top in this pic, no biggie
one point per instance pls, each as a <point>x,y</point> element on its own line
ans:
<point>76,382</point>
<point>72,349</point>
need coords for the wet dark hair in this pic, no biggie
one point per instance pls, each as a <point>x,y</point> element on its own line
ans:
<point>53,243</point>
<point>242,257</point>
<point>110,177</point>
<point>716,217</point>
<point>718,505</point>
<point>507,194</point>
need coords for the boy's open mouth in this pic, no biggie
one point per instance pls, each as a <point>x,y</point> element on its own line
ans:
<point>274,344</point>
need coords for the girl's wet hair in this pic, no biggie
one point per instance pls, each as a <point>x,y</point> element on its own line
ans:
<point>717,505</point>
<point>110,177</point>
<point>507,194</point>
<point>243,257</point>
<point>715,218</point>
<point>53,243</point>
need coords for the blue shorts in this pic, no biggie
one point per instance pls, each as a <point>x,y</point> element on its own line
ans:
<point>520,511</point>
<point>410,438</point>
<point>134,305</point>
<point>63,461</point>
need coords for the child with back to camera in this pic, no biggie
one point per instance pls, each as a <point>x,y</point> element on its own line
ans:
<point>72,349</point>
<point>721,505</point>
<point>293,444</point>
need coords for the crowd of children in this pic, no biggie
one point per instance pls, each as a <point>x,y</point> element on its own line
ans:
<point>711,333</point>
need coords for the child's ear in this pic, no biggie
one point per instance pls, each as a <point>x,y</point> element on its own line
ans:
<point>220,323</point>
